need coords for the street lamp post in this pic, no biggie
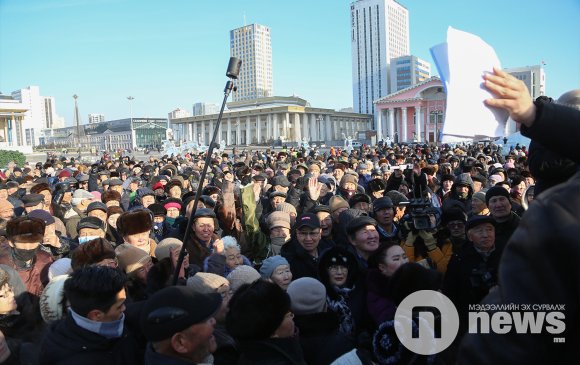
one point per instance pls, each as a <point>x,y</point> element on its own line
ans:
<point>75,96</point>
<point>134,142</point>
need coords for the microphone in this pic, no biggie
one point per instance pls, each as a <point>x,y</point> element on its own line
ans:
<point>234,68</point>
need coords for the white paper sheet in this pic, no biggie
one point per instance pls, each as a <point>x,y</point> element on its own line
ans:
<point>467,58</point>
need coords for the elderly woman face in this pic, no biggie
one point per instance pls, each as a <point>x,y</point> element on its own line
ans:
<point>233,257</point>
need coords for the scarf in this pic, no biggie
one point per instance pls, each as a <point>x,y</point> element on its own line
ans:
<point>342,310</point>
<point>106,329</point>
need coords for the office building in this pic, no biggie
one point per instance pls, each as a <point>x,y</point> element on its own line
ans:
<point>379,33</point>
<point>407,71</point>
<point>96,118</point>
<point>252,45</point>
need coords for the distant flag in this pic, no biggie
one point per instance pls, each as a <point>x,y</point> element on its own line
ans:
<point>543,63</point>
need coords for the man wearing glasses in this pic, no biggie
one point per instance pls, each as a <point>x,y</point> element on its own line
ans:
<point>304,250</point>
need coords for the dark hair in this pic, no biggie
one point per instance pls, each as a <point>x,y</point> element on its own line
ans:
<point>257,310</point>
<point>93,287</point>
<point>380,254</point>
<point>92,252</point>
<point>412,277</point>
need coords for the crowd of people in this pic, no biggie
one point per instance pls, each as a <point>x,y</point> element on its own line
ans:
<point>292,257</point>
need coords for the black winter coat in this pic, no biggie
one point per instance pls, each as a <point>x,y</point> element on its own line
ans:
<point>302,264</point>
<point>67,343</point>
<point>320,339</point>
<point>272,351</point>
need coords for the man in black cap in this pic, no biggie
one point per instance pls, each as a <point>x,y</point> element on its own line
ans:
<point>97,209</point>
<point>472,271</point>
<point>203,241</point>
<point>304,250</point>
<point>179,325</point>
<point>500,208</point>
<point>364,239</point>
<point>90,228</point>
<point>384,212</point>
<point>32,202</point>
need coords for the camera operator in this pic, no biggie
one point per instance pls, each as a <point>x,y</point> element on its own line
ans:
<point>472,271</point>
<point>424,247</point>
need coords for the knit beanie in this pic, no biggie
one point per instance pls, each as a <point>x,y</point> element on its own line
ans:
<point>270,264</point>
<point>279,219</point>
<point>60,267</point>
<point>336,203</point>
<point>51,299</point>
<point>206,283</point>
<point>241,275</point>
<point>286,207</point>
<point>165,246</point>
<point>480,195</point>
<point>307,296</point>
<point>131,258</point>
<point>496,191</point>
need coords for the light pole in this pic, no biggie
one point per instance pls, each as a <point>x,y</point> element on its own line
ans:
<point>130,98</point>
<point>75,96</point>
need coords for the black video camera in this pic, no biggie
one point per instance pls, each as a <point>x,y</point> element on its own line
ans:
<point>421,213</point>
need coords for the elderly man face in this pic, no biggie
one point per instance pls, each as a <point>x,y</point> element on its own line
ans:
<point>499,207</point>
<point>482,236</point>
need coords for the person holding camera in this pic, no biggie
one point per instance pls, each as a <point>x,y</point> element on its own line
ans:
<point>472,271</point>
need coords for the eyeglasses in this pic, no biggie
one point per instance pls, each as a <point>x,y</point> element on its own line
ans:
<point>336,268</point>
<point>308,234</point>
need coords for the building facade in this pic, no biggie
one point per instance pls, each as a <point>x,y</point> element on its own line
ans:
<point>535,79</point>
<point>379,32</point>
<point>96,118</point>
<point>252,44</point>
<point>129,133</point>
<point>533,76</point>
<point>267,120</point>
<point>414,114</point>
<point>407,71</point>
<point>12,115</point>
<point>203,109</point>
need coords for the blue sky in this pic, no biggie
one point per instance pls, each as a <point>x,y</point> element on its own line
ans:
<point>173,53</point>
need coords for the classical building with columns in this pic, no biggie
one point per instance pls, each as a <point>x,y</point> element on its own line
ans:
<point>277,118</point>
<point>12,114</point>
<point>414,114</point>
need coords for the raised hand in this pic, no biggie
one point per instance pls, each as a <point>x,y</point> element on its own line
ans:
<point>512,95</point>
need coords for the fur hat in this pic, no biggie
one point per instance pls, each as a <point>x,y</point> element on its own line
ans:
<point>270,264</point>
<point>348,178</point>
<point>110,195</point>
<point>131,258</point>
<point>25,230</point>
<point>337,202</point>
<point>307,296</point>
<point>36,189</point>
<point>134,222</point>
<point>241,275</point>
<point>164,247</point>
<point>51,299</point>
<point>205,282</point>
<point>92,252</point>
<point>256,311</point>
